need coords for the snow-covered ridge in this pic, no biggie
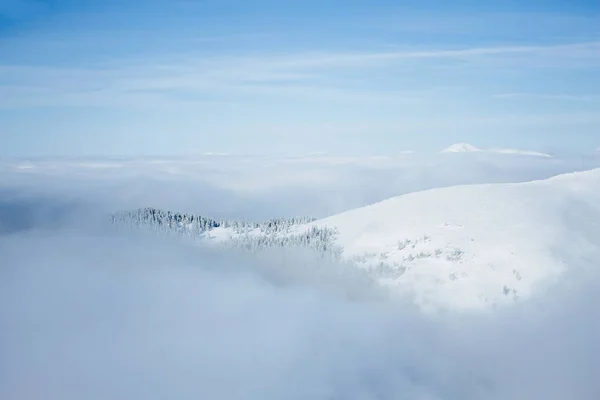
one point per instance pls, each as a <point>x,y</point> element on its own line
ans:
<point>463,247</point>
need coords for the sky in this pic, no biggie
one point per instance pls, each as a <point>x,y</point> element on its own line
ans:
<point>154,77</point>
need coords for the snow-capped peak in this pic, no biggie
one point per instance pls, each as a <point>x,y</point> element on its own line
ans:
<point>461,148</point>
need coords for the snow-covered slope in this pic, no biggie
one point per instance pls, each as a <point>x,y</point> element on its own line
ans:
<point>468,247</point>
<point>462,247</point>
<point>461,148</point>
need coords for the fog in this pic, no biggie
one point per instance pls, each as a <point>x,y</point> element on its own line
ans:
<point>264,187</point>
<point>88,313</point>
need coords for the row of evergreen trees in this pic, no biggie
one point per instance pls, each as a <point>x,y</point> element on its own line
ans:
<point>161,220</point>
<point>319,239</point>
<point>250,236</point>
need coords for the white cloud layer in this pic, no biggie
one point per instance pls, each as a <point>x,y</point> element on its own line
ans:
<point>262,187</point>
<point>87,314</point>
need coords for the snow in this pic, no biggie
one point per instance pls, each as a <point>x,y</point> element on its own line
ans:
<point>461,148</point>
<point>470,247</point>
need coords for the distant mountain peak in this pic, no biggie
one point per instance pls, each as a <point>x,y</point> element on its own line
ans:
<point>461,148</point>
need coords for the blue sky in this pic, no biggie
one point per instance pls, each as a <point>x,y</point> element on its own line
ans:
<point>187,77</point>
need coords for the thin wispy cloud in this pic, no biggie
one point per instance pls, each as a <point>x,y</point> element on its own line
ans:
<point>266,73</point>
<point>543,96</point>
<point>566,52</point>
<point>550,25</point>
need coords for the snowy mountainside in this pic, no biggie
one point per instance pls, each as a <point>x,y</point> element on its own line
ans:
<point>471,246</point>
<point>462,247</point>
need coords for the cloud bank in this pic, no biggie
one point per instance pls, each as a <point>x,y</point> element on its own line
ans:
<point>87,313</point>
<point>91,315</point>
